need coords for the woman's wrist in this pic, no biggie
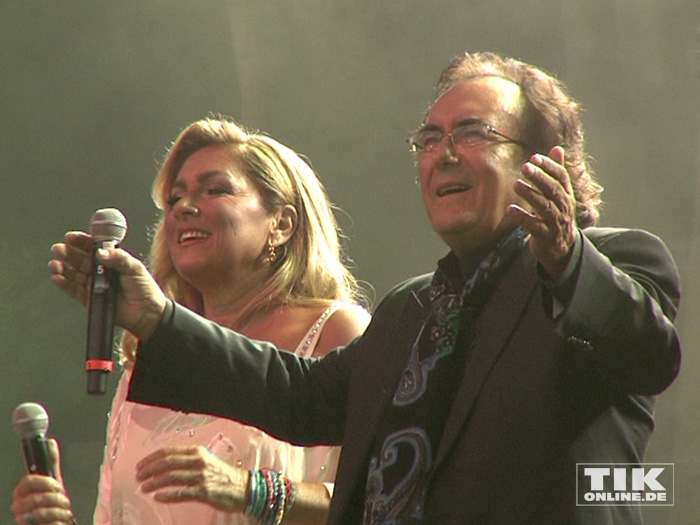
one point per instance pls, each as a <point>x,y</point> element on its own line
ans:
<point>270,496</point>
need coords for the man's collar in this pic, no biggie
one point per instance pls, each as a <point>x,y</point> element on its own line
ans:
<point>458,269</point>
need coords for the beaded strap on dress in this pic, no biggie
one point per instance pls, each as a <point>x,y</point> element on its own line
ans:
<point>308,344</point>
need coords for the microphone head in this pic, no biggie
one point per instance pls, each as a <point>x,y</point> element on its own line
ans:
<point>108,224</point>
<point>30,420</point>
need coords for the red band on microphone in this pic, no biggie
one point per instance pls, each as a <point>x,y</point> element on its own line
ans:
<point>99,364</point>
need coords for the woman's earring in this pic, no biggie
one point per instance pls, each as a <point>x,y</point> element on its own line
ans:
<point>271,253</point>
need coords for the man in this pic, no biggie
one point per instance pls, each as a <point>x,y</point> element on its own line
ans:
<point>539,342</point>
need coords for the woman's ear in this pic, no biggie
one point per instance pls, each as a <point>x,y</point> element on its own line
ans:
<point>285,225</point>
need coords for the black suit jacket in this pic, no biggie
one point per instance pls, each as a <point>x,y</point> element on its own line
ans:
<point>538,396</point>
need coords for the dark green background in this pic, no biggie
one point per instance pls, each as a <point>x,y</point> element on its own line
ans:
<point>91,93</point>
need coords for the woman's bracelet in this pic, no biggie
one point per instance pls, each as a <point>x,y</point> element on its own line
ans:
<point>270,496</point>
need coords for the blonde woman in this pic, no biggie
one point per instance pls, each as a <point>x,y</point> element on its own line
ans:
<point>247,238</point>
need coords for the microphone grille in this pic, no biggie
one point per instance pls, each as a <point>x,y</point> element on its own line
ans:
<point>30,419</point>
<point>108,224</point>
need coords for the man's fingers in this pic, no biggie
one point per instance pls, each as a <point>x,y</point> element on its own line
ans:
<point>557,154</point>
<point>79,240</point>
<point>120,260</point>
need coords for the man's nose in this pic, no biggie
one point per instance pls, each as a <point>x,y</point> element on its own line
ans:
<point>445,150</point>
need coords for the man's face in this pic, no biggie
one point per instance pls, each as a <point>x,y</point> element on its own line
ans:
<point>466,189</point>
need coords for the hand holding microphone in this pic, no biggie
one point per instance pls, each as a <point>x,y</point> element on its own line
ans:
<point>31,422</point>
<point>108,228</point>
<point>139,303</point>
<point>39,497</point>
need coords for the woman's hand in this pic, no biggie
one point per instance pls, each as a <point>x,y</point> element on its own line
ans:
<point>42,499</point>
<point>192,473</point>
<point>140,301</point>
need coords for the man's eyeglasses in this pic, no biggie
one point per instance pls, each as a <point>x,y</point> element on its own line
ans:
<point>464,135</point>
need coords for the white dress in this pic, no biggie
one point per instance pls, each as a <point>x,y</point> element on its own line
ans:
<point>136,430</point>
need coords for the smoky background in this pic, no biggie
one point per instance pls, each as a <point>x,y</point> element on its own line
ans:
<point>92,94</point>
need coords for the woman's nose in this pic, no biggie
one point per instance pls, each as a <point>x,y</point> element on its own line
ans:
<point>186,206</point>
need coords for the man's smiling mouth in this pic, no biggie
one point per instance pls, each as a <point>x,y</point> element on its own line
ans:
<point>453,188</point>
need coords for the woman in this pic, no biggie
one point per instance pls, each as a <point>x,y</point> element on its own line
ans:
<point>248,239</point>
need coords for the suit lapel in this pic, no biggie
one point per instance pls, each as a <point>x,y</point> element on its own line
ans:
<point>373,392</point>
<point>378,385</point>
<point>503,311</point>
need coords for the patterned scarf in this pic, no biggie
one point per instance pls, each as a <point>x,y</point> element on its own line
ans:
<point>449,304</point>
<point>449,307</point>
<point>397,478</point>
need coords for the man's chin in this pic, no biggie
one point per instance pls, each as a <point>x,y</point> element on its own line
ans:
<point>464,238</point>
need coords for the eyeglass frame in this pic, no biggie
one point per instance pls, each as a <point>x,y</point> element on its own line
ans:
<point>489,130</point>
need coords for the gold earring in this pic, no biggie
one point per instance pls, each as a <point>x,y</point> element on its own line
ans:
<point>271,253</point>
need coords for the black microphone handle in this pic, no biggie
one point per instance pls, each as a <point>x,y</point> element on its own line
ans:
<point>100,328</point>
<point>36,456</point>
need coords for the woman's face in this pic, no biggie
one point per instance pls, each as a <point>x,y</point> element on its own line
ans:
<point>216,222</point>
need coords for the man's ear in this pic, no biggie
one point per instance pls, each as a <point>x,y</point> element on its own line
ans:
<point>285,225</point>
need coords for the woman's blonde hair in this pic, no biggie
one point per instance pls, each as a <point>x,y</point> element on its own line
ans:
<point>311,267</point>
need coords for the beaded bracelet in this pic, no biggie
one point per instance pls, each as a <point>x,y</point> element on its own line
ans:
<point>252,492</point>
<point>271,478</point>
<point>257,494</point>
<point>290,490</point>
<point>274,512</point>
<point>264,494</point>
<point>270,496</point>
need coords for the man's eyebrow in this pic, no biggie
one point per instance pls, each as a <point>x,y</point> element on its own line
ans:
<point>430,127</point>
<point>468,121</point>
<point>463,122</point>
